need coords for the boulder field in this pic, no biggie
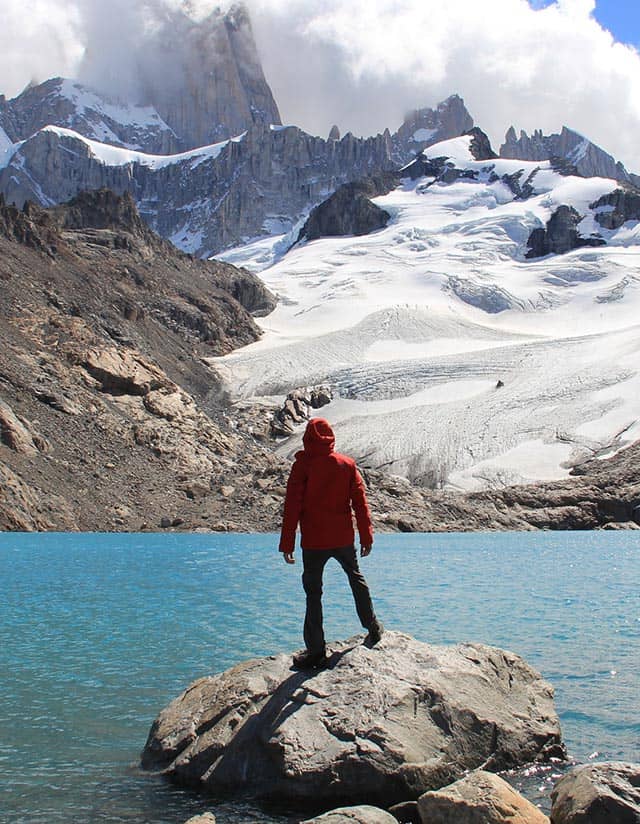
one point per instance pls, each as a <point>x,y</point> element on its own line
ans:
<point>382,725</point>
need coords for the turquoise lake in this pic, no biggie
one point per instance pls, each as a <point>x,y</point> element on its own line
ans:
<point>99,632</point>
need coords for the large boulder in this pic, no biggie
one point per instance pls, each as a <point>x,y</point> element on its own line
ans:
<point>381,726</point>
<point>478,798</point>
<point>605,793</point>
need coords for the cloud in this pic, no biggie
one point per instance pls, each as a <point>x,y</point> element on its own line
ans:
<point>363,64</point>
<point>366,64</point>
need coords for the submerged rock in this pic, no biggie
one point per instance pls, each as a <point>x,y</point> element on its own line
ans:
<point>478,798</point>
<point>606,793</point>
<point>380,726</point>
<point>363,814</point>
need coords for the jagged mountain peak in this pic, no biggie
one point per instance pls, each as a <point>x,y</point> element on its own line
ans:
<point>196,82</point>
<point>567,149</point>
<point>427,126</point>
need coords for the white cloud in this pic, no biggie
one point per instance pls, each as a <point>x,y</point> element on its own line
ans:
<point>363,63</point>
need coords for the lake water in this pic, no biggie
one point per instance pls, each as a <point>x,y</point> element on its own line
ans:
<point>99,632</point>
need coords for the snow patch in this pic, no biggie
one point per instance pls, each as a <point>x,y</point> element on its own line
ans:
<point>116,156</point>
<point>7,149</point>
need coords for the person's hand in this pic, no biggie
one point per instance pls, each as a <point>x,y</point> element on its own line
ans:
<point>365,550</point>
<point>288,558</point>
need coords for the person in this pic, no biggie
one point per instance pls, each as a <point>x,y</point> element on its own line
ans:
<point>323,488</point>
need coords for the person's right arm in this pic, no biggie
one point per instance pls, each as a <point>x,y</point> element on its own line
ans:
<point>292,508</point>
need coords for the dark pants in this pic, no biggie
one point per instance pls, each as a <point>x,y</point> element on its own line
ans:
<point>314,561</point>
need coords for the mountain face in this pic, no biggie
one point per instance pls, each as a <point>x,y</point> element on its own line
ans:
<point>102,386</point>
<point>210,85</point>
<point>204,200</point>
<point>201,83</point>
<point>578,153</point>
<point>73,106</point>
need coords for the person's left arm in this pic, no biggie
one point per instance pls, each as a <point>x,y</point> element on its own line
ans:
<point>363,515</point>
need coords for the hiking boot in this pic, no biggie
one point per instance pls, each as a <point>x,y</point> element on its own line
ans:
<point>310,660</point>
<point>375,633</point>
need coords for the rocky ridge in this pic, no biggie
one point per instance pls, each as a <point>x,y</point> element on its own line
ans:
<point>101,382</point>
<point>264,181</point>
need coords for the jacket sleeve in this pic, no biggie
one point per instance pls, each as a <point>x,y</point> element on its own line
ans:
<point>361,509</point>
<point>293,505</point>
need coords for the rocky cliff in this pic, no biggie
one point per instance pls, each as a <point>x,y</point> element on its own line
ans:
<point>426,127</point>
<point>206,200</point>
<point>101,383</point>
<point>72,105</point>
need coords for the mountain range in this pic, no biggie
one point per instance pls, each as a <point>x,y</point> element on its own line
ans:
<point>469,317</point>
<point>201,148</point>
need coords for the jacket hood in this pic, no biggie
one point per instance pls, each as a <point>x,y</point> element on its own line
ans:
<point>318,437</point>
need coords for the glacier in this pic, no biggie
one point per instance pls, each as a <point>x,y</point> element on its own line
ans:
<point>454,360</point>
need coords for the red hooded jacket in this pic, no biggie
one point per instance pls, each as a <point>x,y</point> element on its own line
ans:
<point>322,489</point>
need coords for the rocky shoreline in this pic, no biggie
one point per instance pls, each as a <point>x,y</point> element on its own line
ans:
<point>105,384</point>
<point>403,731</point>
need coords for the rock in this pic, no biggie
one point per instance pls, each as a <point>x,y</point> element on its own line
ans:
<point>560,235</point>
<point>57,401</point>
<point>406,812</point>
<point>211,87</point>
<point>208,205</point>
<point>364,814</point>
<point>334,133</point>
<point>478,798</point>
<point>165,522</point>
<point>616,208</point>
<point>171,405</point>
<point>379,727</point>
<point>227,491</point>
<point>606,793</point>
<point>87,112</point>
<point>122,372</point>
<point>205,818</point>
<point>426,127</point>
<point>17,434</point>
<point>298,406</point>
<point>349,210</point>
<point>480,145</point>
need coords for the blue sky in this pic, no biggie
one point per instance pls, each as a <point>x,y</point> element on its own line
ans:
<point>620,17</point>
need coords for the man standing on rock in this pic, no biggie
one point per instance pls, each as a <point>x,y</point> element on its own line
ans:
<point>323,488</point>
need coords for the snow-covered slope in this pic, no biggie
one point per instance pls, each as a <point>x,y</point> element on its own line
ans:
<point>454,359</point>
